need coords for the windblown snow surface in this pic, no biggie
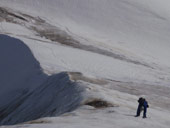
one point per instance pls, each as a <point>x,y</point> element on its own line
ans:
<point>84,63</point>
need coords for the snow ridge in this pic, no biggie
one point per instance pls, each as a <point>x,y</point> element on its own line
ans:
<point>26,92</point>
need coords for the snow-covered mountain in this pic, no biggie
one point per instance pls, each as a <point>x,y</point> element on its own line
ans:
<point>72,63</point>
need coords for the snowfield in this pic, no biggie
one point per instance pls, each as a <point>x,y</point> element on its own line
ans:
<point>84,63</point>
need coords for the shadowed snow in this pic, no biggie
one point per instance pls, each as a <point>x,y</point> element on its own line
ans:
<point>26,92</point>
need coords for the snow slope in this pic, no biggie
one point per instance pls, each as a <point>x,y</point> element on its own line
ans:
<point>126,30</point>
<point>120,47</point>
<point>132,25</point>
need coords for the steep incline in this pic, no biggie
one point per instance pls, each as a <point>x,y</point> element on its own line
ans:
<point>132,31</point>
<point>128,27</point>
<point>122,44</point>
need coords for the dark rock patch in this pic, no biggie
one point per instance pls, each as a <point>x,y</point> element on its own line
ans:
<point>97,103</point>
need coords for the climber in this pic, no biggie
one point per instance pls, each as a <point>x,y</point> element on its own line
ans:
<point>143,105</point>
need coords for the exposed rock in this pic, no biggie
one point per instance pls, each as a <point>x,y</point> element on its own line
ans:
<point>98,103</point>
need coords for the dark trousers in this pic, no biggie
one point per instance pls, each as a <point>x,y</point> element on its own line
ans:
<point>144,111</point>
<point>140,109</point>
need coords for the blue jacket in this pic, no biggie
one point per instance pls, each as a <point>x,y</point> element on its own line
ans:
<point>145,104</point>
